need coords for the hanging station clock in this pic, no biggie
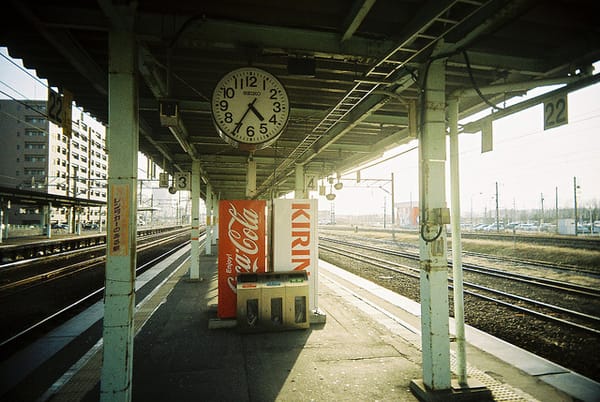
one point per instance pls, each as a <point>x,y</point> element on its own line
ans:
<point>250,108</point>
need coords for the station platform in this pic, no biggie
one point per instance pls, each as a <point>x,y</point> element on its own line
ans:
<point>368,349</point>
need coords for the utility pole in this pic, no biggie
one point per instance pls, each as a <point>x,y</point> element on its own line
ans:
<point>497,210</point>
<point>575,201</point>
<point>393,203</point>
<point>542,199</point>
<point>384,211</point>
<point>556,206</point>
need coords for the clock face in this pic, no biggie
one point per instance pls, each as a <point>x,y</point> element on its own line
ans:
<point>250,108</point>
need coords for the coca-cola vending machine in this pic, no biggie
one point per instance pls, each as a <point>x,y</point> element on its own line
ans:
<point>242,248</point>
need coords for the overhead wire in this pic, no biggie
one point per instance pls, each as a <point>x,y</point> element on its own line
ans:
<point>28,106</point>
<point>474,84</point>
<point>13,89</point>
<point>24,70</point>
<point>530,133</point>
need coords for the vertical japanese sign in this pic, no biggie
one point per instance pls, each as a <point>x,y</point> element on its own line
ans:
<point>295,240</point>
<point>118,215</point>
<point>242,247</point>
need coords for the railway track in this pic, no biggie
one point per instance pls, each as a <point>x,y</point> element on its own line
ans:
<point>539,308</point>
<point>470,267</point>
<point>18,275</point>
<point>589,242</point>
<point>552,318</point>
<point>33,247</point>
<point>29,305</point>
<point>543,264</point>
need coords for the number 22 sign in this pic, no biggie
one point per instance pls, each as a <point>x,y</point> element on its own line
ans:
<point>556,112</point>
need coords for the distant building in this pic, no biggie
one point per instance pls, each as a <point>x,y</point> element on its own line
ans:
<point>407,213</point>
<point>36,155</point>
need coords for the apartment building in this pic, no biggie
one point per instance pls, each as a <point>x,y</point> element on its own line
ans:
<point>36,155</point>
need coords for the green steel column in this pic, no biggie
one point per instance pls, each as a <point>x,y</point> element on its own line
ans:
<point>5,213</point>
<point>195,251</point>
<point>433,258</point>
<point>122,144</point>
<point>2,214</point>
<point>300,188</point>
<point>457,268</point>
<point>251,178</point>
<point>48,220</point>
<point>215,236</point>
<point>209,201</point>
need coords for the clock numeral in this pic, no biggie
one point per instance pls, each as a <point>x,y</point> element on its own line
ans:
<point>250,131</point>
<point>228,92</point>
<point>263,128</point>
<point>273,93</point>
<point>228,117</point>
<point>276,107</point>
<point>248,81</point>
<point>224,105</point>
<point>273,119</point>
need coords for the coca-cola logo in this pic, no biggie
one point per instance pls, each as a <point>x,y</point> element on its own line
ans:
<point>242,231</point>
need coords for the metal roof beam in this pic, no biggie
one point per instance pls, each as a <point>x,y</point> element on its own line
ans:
<point>475,126</point>
<point>152,75</point>
<point>203,107</point>
<point>64,44</point>
<point>358,12</point>
<point>229,34</point>
<point>496,62</point>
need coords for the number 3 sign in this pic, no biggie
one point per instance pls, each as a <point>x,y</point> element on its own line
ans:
<point>183,181</point>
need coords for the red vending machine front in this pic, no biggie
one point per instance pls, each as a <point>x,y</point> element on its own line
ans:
<point>242,247</point>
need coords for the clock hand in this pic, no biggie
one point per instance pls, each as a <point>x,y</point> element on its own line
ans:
<point>256,112</point>
<point>239,123</point>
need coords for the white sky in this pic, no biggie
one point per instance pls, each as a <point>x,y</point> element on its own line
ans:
<point>526,161</point>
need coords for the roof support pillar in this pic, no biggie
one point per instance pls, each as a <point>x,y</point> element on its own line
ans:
<point>457,269</point>
<point>251,178</point>
<point>433,258</point>
<point>119,294</point>
<point>209,206</point>
<point>3,215</point>
<point>215,222</point>
<point>48,220</point>
<point>300,191</point>
<point>195,234</point>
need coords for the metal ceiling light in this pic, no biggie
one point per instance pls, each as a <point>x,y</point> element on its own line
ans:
<point>339,185</point>
<point>331,195</point>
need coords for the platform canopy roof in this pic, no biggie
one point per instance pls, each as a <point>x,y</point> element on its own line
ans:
<point>351,68</point>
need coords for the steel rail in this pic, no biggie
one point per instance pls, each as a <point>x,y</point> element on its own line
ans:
<point>8,266</point>
<point>558,267</point>
<point>386,265</point>
<point>87,297</point>
<point>72,269</point>
<point>543,282</point>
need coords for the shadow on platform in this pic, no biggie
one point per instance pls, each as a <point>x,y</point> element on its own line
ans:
<point>177,357</point>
